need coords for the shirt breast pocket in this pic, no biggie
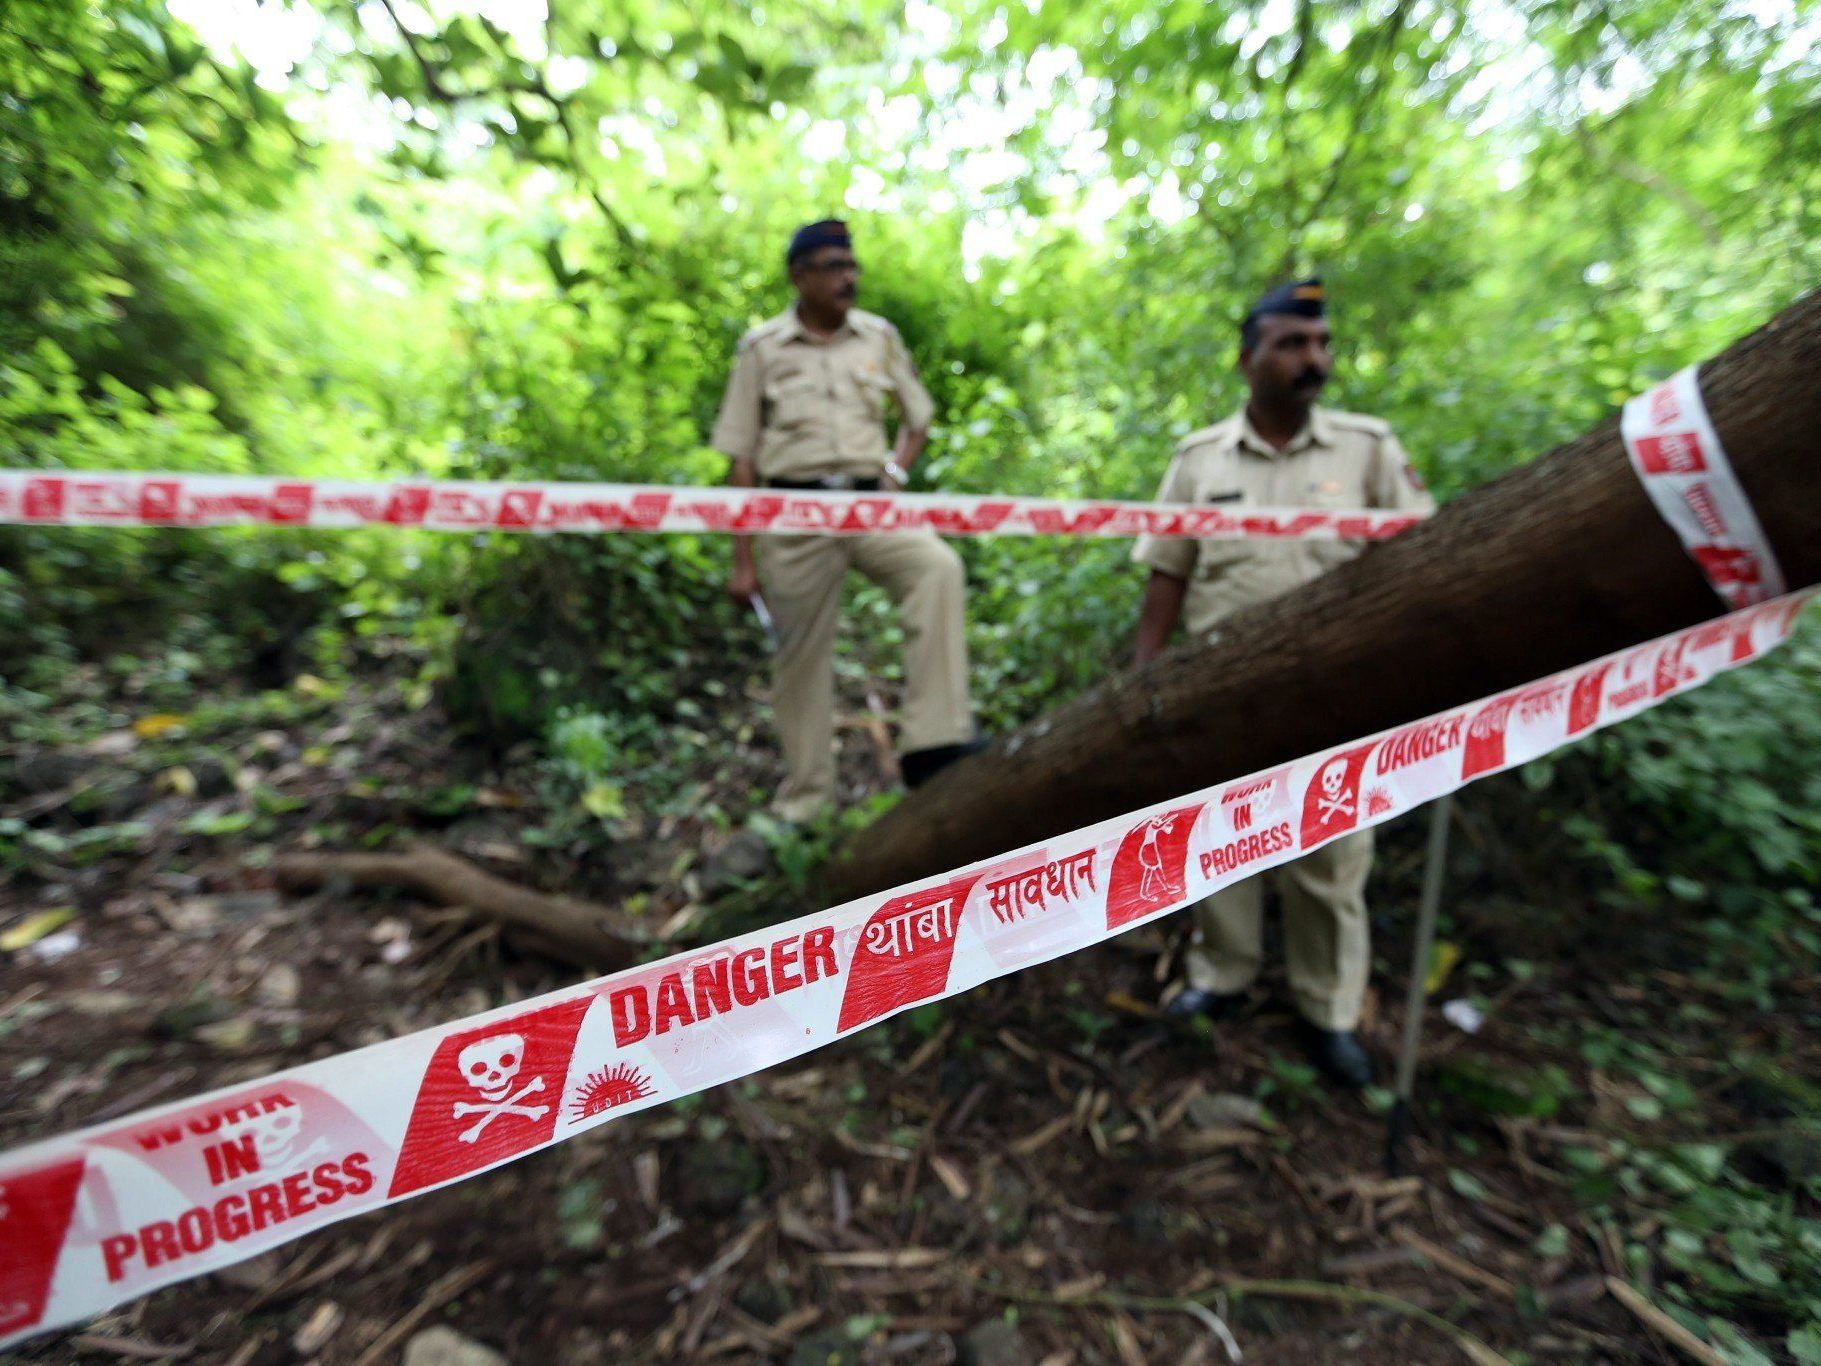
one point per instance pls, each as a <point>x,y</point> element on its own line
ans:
<point>1333,493</point>
<point>791,400</point>
<point>1336,494</point>
<point>1218,558</point>
<point>872,387</point>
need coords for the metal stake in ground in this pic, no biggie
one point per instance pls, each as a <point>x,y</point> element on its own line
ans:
<point>1414,1000</point>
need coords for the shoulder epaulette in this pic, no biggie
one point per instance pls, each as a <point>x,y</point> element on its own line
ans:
<point>1358,422</point>
<point>1219,431</point>
<point>872,322</point>
<point>764,329</point>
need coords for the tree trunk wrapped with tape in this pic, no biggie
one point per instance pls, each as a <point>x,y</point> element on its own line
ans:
<point>1559,561</point>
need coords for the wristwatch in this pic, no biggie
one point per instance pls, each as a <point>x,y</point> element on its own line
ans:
<point>897,473</point>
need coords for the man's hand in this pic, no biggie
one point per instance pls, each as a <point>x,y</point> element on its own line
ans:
<point>743,584</point>
<point>905,450</point>
<point>1158,615</point>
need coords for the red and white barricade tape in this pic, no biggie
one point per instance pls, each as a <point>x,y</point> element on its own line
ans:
<point>82,498</point>
<point>109,1213</point>
<point>1677,453</point>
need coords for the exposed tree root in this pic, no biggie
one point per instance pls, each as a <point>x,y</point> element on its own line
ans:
<point>577,932</point>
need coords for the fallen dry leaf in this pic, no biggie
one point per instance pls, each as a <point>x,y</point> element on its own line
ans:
<point>318,1329</point>
<point>949,1175</point>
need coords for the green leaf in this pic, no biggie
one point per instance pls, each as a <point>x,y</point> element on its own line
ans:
<point>1551,1242</point>
<point>604,801</point>
<point>859,1327</point>
<point>1644,1107</point>
<point>1805,1344</point>
<point>579,1215</point>
<point>213,825</point>
<point>1466,1184</point>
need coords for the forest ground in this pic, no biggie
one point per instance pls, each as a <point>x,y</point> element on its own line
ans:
<point>1036,1171</point>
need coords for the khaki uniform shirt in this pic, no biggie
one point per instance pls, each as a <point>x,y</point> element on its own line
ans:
<point>803,407</point>
<point>1340,460</point>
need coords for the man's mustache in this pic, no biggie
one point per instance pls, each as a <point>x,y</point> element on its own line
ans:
<point>1312,378</point>
<point>846,292</point>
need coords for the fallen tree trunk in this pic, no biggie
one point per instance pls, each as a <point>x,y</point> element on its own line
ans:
<point>1558,562</point>
<point>575,931</point>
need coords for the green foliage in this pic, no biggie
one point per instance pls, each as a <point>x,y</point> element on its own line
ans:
<point>483,241</point>
<point>120,132</point>
<point>591,758</point>
<point>1708,807</point>
<point>1732,1246</point>
<point>1292,1084</point>
<point>1714,769</point>
<point>486,291</point>
<point>579,1211</point>
<point>1495,1090</point>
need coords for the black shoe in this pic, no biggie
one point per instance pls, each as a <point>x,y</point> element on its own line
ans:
<point>1338,1055</point>
<point>1186,1004</point>
<point>920,765</point>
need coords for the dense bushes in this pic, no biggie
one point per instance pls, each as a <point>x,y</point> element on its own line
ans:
<point>200,276</point>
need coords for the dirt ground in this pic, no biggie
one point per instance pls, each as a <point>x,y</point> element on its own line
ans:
<point>1034,1172</point>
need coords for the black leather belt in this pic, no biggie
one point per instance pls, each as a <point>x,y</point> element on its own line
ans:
<point>833,483</point>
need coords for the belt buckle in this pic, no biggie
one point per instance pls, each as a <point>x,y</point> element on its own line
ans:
<point>838,483</point>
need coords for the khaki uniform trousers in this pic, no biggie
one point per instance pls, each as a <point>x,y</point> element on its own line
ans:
<point>1327,946</point>
<point>801,577</point>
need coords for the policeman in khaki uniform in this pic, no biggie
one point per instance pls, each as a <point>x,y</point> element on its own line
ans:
<point>805,408</point>
<point>1278,450</point>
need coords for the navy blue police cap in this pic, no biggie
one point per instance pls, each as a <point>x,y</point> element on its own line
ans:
<point>1301,298</point>
<point>830,232</point>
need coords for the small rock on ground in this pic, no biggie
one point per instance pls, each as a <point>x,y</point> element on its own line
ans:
<point>995,1343</point>
<point>1226,1111</point>
<point>442,1346</point>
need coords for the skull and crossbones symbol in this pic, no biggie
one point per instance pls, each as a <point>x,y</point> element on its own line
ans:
<point>275,1134</point>
<point>490,1066</point>
<point>1332,802</point>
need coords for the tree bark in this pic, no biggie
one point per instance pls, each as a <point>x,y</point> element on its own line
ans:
<point>1558,562</point>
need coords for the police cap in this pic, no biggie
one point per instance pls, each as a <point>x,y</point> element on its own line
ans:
<point>1301,298</point>
<point>830,232</point>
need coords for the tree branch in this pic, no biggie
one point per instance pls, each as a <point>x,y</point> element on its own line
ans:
<point>1651,180</point>
<point>1305,33</point>
<point>575,931</point>
<point>537,85</point>
<point>432,81</point>
<point>1393,28</point>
